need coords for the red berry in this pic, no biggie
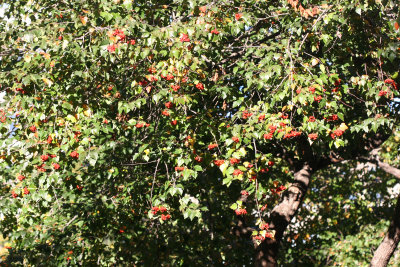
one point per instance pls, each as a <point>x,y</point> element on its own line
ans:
<point>200,86</point>
<point>184,38</point>
<point>219,162</point>
<point>169,105</point>
<point>237,172</point>
<point>111,48</point>
<point>74,155</point>
<point>56,166</point>
<point>234,161</point>
<point>26,191</point>
<point>212,146</point>
<point>313,136</point>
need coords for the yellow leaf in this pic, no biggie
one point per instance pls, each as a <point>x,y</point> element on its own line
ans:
<point>224,166</point>
<point>83,19</point>
<point>242,151</point>
<point>87,113</point>
<point>71,118</point>
<point>47,82</point>
<point>343,127</point>
<point>46,55</point>
<point>314,62</point>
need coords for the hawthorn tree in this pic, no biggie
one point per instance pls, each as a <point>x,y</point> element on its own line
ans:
<point>182,132</point>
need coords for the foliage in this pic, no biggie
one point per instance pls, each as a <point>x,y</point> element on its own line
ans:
<point>131,128</point>
<point>344,217</point>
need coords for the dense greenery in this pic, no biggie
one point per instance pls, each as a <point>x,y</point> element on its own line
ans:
<point>146,132</point>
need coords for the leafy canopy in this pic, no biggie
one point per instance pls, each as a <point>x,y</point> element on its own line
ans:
<point>131,128</point>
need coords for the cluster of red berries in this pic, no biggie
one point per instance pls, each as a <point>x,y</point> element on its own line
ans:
<point>157,209</point>
<point>264,226</point>
<point>270,134</point>
<point>318,98</point>
<point>244,193</point>
<point>278,190</point>
<point>219,162</point>
<point>119,33</point>
<point>313,136</point>
<point>184,38</point>
<point>74,154</point>
<point>337,133</point>
<point>337,83</point>
<point>25,192</point>
<point>169,105</point>
<point>333,117</point>
<point>262,237</point>
<point>212,146</point>
<point>121,37</point>
<point>240,212</point>
<point>234,161</point>
<point>284,116</point>
<point>46,157</point>
<point>291,134</point>
<point>161,209</point>
<point>237,172</point>
<point>165,217</point>
<point>382,93</point>
<point>168,77</point>
<point>246,114</point>
<point>2,116</point>
<point>391,82</point>
<point>215,31</point>
<point>175,87</point>
<point>20,90</point>
<point>200,86</point>
<point>142,124</point>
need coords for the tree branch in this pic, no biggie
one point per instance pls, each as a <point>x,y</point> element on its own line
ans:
<point>282,214</point>
<point>390,242</point>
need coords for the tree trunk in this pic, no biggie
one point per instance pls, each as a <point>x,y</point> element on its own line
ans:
<point>389,243</point>
<point>281,215</point>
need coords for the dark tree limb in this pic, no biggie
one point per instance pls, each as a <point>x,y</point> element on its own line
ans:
<point>282,214</point>
<point>374,158</point>
<point>390,242</point>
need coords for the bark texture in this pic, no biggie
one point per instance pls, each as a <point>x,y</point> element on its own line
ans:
<point>282,214</point>
<point>389,243</point>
